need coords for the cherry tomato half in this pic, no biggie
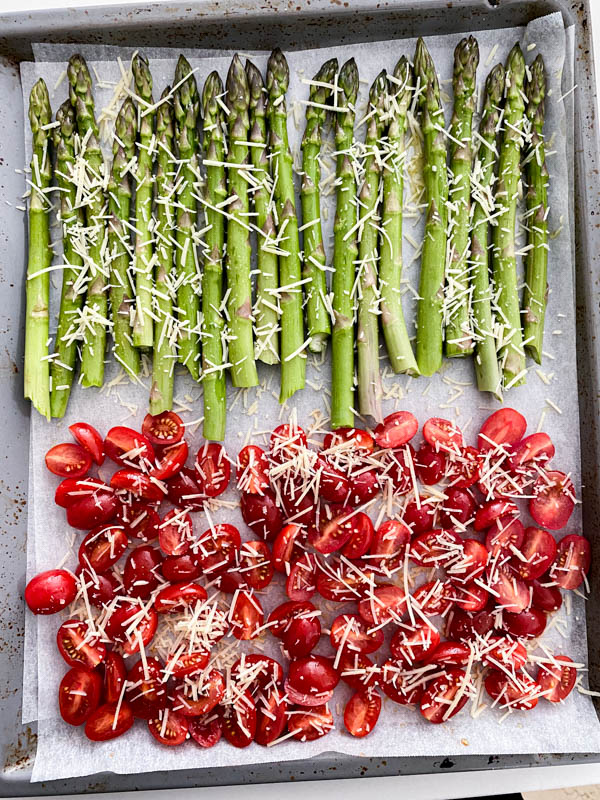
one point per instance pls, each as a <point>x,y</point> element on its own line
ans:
<point>169,460</point>
<point>207,694</point>
<point>246,615</point>
<point>557,679</point>
<point>178,596</point>
<point>109,721</point>
<point>163,428</point>
<point>89,438</point>
<point>206,731</point>
<point>139,484</point>
<point>361,713</point>
<point>309,724</point>
<point>141,574</point>
<point>128,447</point>
<point>127,625</point>
<point>437,703</point>
<point>91,509</point>
<point>504,427</point>
<point>239,721</point>
<point>169,728</point>
<point>79,695</point>
<point>553,501</point>
<point>572,561</point>
<point>535,555</point>
<point>213,469</point>
<point>78,646</point>
<point>175,532</point>
<point>353,634</point>
<point>252,470</point>
<point>396,429</point>
<point>517,691</point>
<point>102,547</point>
<point>115,674</point>
<point>442,434</point>
<point>68,460</point>
<point>262,514</point>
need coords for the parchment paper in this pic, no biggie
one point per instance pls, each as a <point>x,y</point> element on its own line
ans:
<point>571,727</point>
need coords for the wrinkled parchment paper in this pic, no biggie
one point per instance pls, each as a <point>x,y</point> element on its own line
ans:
<point>573,726</point>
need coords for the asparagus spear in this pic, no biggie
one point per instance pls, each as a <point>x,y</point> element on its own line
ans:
<point>213,371</point>
<point>266,312</point>
<point>369,379</point>
<point>319,325</point>
<point>396,337</point>
<point>293,360</point>
<point>239,306</point>
<point>164,355</point>
<point>95,313</point>
<point>486,358</point>
<point>459,335</point>
<point>345,252</point>
<point>71,298</point>
<point>143,265</point>
<point>119,244</point>
<point>534,301</point>
<point>505,267</point>
<point>431,289</point>
<point>37,368</point>
<point>187,107</point>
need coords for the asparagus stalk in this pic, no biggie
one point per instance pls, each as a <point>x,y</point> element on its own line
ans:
<point>266,313</point>
<point>95,313</point>
<point>433,257</point>
<point>239,306</point>
<point>71,298</point>
<point>367,339</point>
<point>119,239</point>
<point>486,358</point>
<point>345,252</point>
<point>505,267</point>
<point>187,107</point>
<point>37,368</point>
<point>536,268</point>
<point>398,345</point>
<point>459,334</point>
<point>293,359</point>
<point>317,316</point>
<point>164,355</point>
<point>213,371</point>
<point>143,328</point>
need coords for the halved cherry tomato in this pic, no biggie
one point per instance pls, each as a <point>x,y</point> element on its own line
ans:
<point>464,626</point>
<point>286,547</point>
<point>504,427</point>
<point>282,616</point>
<point>358,671</point>
<point>141,574</point>
<point>89,438</point>
<point>463,468</point>
<point>388,546</point>
<point>103,547</point>
<point>139,484</point>
<point>147,691</point>
<point>298,506</point>
<point>434,598</point>
<point>49,592</point>
<point>215,550</point>
<point>78,646</point>
<point>301,583</point>
<point>262,514</point>
<point>257,672</point>
<point>396,429</point>
<point>169,460</point>
<point>255,564</point>
<point>239,721</point>
<point>141,521</point>
<point>128,448</point>
<point>109,721</point>
<point>175,532</point>
<point>180,568</point>
<point>572,561</point>
<point>456,653</point>
<point>213,469</point>
<point>534,449</point>
<point>472,563</point>
<point>430,465</point>
<point>361,713</point>
<point>385,603</point>
<point>505,652</point>
<point>343,581</point>
<point>470,597</point>
<point>100,587</point>
<point>437,548</point>
<point>511,592</point>
<point>356,437</point>
<point>122,626</point>
<point>489,512</point>
<point>205,731</point>
<point>178,596</point>
<point>535,555</point>
<point>68,460</point>
<point>545,594</point>
<point>458,507</point>
<point>71,490</point>
<point>183,490</point>
<point>310,724</point>
<point>207,694</point>
<point>504,534</point>
<point>411,645</point>
<point>115,673</point>
<point>188,663</point>
<point>553,501</point>
<point>312,675</point>
<point>399,684</point>
<point>169,727</point>
<point>246,615</point>
<point>334,486</point>
<point>364,486</point>
<point>420,517</point>
<point>302,636</point>
<point>79,695</point>
<point>333,534</point>
<point>361,536</point>
<point>398,467</point>
<point>517,691</point>
<point>93,509</point>
<point>442,434</point>
<point>270,717</point>
<point>557,680</point>
<point>438,700</point>
<point>351,633</point>
<point>163,428</point>
<point>528,624</point>
<point>252,470</point>
<point>285,442</point>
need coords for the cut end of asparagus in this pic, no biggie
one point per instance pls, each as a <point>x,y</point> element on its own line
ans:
<point>278,74</point>
<point>535,91</point>
<point>466,59</point>
<point>238,90</point>
<point>348,80</point>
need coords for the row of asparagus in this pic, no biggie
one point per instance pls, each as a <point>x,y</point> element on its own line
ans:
<point>184,293</point>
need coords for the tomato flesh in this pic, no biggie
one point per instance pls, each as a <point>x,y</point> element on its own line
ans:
<point>239,721</point>
<point>262,514</point>
<point>175,532</point>
<point>68,460</point>
<point>169,728</point>
<point>78,646</point>
<point>557,679</point>
<point>213,469</point>
<point>102,547</point>
<point>139,484</point>
<point>553,501</point>
<point>436,702</point>
<point>79,695</point>
<point>310,724</point>
<point>209,692</point>
<point>115,674</point>
<point>517,691</point>
<point>504,427</point>
<point>147,692</point>
<point>164,428</point>
<point>361,713</point>
<point>109,721</point>
<point>128,448</point>
<point>442,434</point>
<point>252,470</point>
<point>141,574</point>
<point>572,561</point>
<point>352,633</point>
<point>178,596</point>
<point>169,461</point>
<point>206,731</point>
<point>396,429</point>
<point>535,555</point>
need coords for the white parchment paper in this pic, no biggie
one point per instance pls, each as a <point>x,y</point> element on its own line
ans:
<point>572,727</point>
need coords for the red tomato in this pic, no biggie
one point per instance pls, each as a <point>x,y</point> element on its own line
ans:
<point>334,487</point>
<point>388,547</point>
<point>93,509</point>
<point>364,486</point>
<point>352,634</point>
<point>434,598</point>
<point>180,568</point>
<point>358,671</point>
<point>252,470</point>
<point>147,691</point>
<point>528,624</point>
<point>68,460</point>
<point>255,564</point>
<point>504,534</point>
<point>115,674</point>
<point>353,438</point>
<point>103,547</point>
<point>430,465</point>
<point>517,691</point>
<point>301,583</point>
<point>183,490</point>
<point>464,626</point>
<point>312,675</point>
<point>398,467</point>
<point>175,532</point>
<point>411,645</point>
<point>178,596</point>
<point>557,679</point>
<point>169,727</point>
<point>239,721</point>
<point>299,507</point>
<point>396,429</point>
<point>333,533</point>
<point>572,562</point>
<point>163,428</point>
<point>216,549</point>
<point>398,684</point>
<point>127,625</point>
<point>505,652</point>
<point>169,460</point>
<point>71,490</point>
<point>271,717</point>
<point>257,672</point>
<point>535,555</point>
<point>458,508</point>
<point>207,694</point>
<point>493,510</point>
<point>206,731</point>
<point>553,501</point>
<point>141,521</point>
<point>310,724</point>
<point>471,597</point>
<point>511,592</point>
<point>302,636</point>
<point>89,438</point>
<point>437,548</point>
<point>438,700</point>
<point>504,427</point>
<point>141,574</point>
<point>343,581</point>
<point>49,592</point>
<point>286,441</point>
<point>262,514</point>
<point>188,663</point>
<point>361,538</point>
<point>463,468</point>
<point>78,646</point>
<point>281,617</point>
<point>213,469</point>
<point>545,594</point>
<point>472,563</point>
<point>246,615</point>
<point>286,547</point>
<point>99,587</point>
<point>79,695</point>
<point>138,484</point>
<point>385,603</point>
<point>128,448</point>
<point>534,449</point>
<point>420,517</point>
<point>442,434</point>
<point>361,713</point>
<point>109,721</point>
<point>456,653</point>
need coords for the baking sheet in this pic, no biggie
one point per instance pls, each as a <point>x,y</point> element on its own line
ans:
<point>63,752</point>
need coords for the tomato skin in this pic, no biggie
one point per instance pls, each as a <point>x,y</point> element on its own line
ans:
<point>100,587</point>
<point>147,692</point>
<point>361,538</point>
<point>464,626</point>
<point>434,598</point>
<point>180,568</point>
<point>213,469</point>
<point>141,521</point>
<point>387,603</point>
<point>459,507</point>
<point>396,429</point>
<point>69,640</point>
<point>216,549</point>
<point>572,561</point>
<point>115,673</point>
<point>489,512</point>
<point>88,437</point>
<point>504,427</point>
<point>301,637</point>
<point>389,545</point>
<point>100,726</point>
<point>184,491</point>
<point>68,460</point>
<point>557,681</point>
<point>537,448</point>
<point>395,684</point>
<point>333,533</point>
<point>341,584</point>
<point>169,461</point>
<point>361,713</point>
<point>262,514</point>
<point>141,573</point>
<point>164,428</point>
<point>430,465</point>
<point>79,695</point>
<point>310,724</point>
<point>312,674</point>
<point>512,592</point>
<point>356,437</point>
<point>139,484</point>
<point>175,532</point>
<point>92,510</point>
<point>121,440</point>
<point>102,547</point>
<point>71,490</point>
<point>266,671</point>
<point>175,730</point>
<point>504,532</point>
<point>538,551</point>
<point>204,731</point>
<point>436,547</point>
<point>242,711</point>
<point>299,509</point>
<point>412,646</point>
<point>553,501</point>
<point>527,624</point>
<point>285,442</point>
<point>441,432</point>
<point>49,592</point>
<point>471,597</point>
<point>545,598</point>
<point>246,616</point>
<point>270,718</point>
<point>419,519</point>
<point>364,486</point>
<point>178,596</point>
<point>334,486</point>
<point>505,652</point>
<point>456,653</point>
<point>286,547</point>
<point>513,695</point>
<point>301,582</point>
<point>281,617</point>
<point>358,671</point>
<point>472,564</point>
<point>120,620</point>
<point>351,632</point>
<point>397,466</point>
<point>434,702</point>
<point>211,691</point>
<point>252,470</point>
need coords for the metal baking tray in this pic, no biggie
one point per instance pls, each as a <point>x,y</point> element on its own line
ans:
<point>249,24</point>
